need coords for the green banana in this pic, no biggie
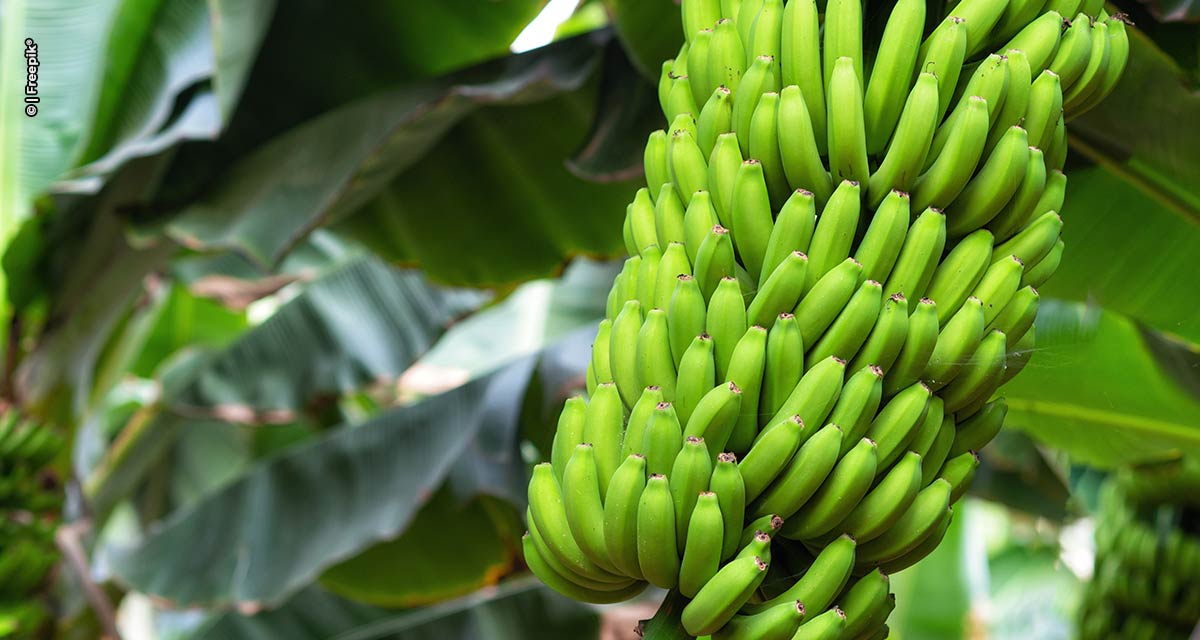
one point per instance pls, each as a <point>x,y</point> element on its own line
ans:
<point>662,439</point>
<point>766,30</point>
<point>625,285</point>
<point>1035,241</point>
<point>603,428</point>
<point>931,463</point>
<point>927,432</point>
<point>1017,14</point>
<point>998,286</point>
<point>568,434</point>
<point>881,245</point>
<point>955,344</point>
<point>918,346</point>
<point>801,158</point>
<point>823,302</point>
<point>620,514</point>
<point>769,524</point>
<point>1073,53</point>
<point>655,164</point>
<point>770,454</point>
<point>686,316</point>
<point>641,220</point>
<point>843,39</point>
<point>849,331</point>
<point>752,218</point>
<point>698,80</point>
<point>919,520</point>
<point>697,377</point>
<point>726,55</point>
<point>978,430</point>
<point>886,502</point>
<point>992,187</point>
<point>647,278</point>
<point>925,547</point>
<point>951,170</point>
<point>827,626</point>
<point>910,146</point>
<point>655,364</point>
<point>834,234</point>
<point>723,166</point>
<point>727,483</point>
<point>894,65</point>
<point>1038,40</point>
<point>897,423</point>
<point>862,602</point>
<point>784,364</point>
<point>959,273</point>
<point>959,471</point>
<point>793,231</point>
<point>777,623</point>
<point>547,514</point>
<point>674,263</point>
<point>688,479</point>
<point>804,474</point>
<point>746,15</point>
<point>1045,105</point>
<point>1016,98</point>
<point>565,586</point>
<point>846,129</point>
<point>857,404</point>
<point>764,146</point>
<point>584,506</point>
<point>1017,212</point>
<point>679,97</point>
<point>981,377</point>
<point>820,585</point>
<point>800,50</point>
<point>761,77</point>
<point>815,395</point>
<point>990,82</point>
<point>716,118</point>
<point>780,292</point>
<point>668,217</point>
<point>698,219</point>
<point>1112,68</point>
<point>746,371</point>
<point>919,256</point>
<point>698,15</point>
<point>839,494</point>
<point>1039,273</point>
<point>715,416</point>
<point>689,171</point>
<point>887,336</point>
<point>639,417</point>
<point>721,597</point>
<point>702,551</point>
<point>981,17</point>
<point>726,323</point>
<point>943,54</point>
<point>1018,315</point>
<point>759,545</point>
<point>658,556</point>
<point>714,260</point>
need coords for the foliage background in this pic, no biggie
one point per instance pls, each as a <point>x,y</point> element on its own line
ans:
<point>307,284</point>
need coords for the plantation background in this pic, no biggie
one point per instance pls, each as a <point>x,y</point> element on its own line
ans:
<point>306,283</point>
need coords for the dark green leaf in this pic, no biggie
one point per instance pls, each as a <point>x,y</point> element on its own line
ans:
<point>650,30</point>
<point>1014,473</point>
<point>626,113</point>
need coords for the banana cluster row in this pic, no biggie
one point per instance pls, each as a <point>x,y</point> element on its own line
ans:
<point>830,275</point>
<point>28,508</point>
<point>1147,575</point>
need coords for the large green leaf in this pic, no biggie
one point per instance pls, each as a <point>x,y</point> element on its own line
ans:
<point>650,30</point>
<point>515,611</point>
<point>1094,390</point>
<point>331,165</point>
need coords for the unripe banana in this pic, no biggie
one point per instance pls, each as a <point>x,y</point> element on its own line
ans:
<point>981,377</point>
<point>770,454</point>
<point>910,146</point>
<point>1039,40</point>
<point>746,15</point>
<point>568,434</point>
<point>887,336</point>
<point>612,304</point>
<point>952,169</point>
<point>727,483</point>
<point>929,428</point>
<point>793,231</point>
<point>752,218</point>
<point>761,77</point>
<point>943,54</point>
<point>658,557</point>
<point>759,545</point>
<point>978,430</point>
<point>784,364</point>
<point>746,367</point>
<point>955,344</point>
<point>834,234</point>
<point>827,626</point>
<point>726,322</point>
<point>777,623</point>
<point>720,598</point>
<point>699,14</point>
<point>1019,209</point>
<point>689,171</point>
<point>1037,275</point>
<point>1091,79</point>
<point>815,395</point>
<point>726,55</point>
<point>1045,105</point>
<point>895,63</point>
<point>933,460</point>
<point>679,97</point>
<point>959,471</point>
<point>620,514</point>
<point>702,552</point>
<point>698,80</point>
<point>639,417</point>
<point>769,524</point>
<point>723,167</point>
<point>800,44</point>
<point>714,260</point>
<point>897,423</point>
<point>1017,14</point>
<point>919,256</point>
<point>863,601</point>
<point>1074,51</point>
<point>843,38</point>
<point>698,219</point>
<point>647,278</point>
<point>1118,57</point>
<point>547,514</point>
<point>804,474</point>
<point>881,245</point>
<point>674,263</point>
<point>662,440</point>
<point>641,220</point>
<point>764,146</point>
<point>802,164</point>
<point>766,30</point>
<point>885,503</point>
<point>852,326</point>
<point>925,547</point>
<point>626,282</point>
<point>959,273</point>
<point>998,285</point>
<point>918,521</point>
<point>1018,315</point>
<point>838,495</point>
<point>987,193</point>
<point>655,163</point>
<point>918,346</point>
<point>990,82</point>
<point>584,506</point>
<point>822,582</point>
<point>1016,97</point>
<point>715,417</point>
<point>668,217</point>
<point>844,108</point>
<point>857,404</point>
<point>682,122</point>
<point>655,365</point>
<point>686,317</point>
<point>567,587</point>
<point>697,376</point>
<point>1053,196</point>
<point>666,78</point>
<point>826,299</point>
<point>780,292</point>
<point>603,428</point>
<point>688,479</point>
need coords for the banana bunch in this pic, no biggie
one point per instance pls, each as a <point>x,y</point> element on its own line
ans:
<point>28,504</point>
<point>1147,573</point>
<point>832,268</point>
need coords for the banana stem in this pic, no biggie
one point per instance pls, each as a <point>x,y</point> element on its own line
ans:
<point>665,625</point>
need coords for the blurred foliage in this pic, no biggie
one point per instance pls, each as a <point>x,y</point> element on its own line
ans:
<point>306,284</point>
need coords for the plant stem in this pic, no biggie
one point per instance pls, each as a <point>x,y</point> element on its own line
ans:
<point>665,625</point>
